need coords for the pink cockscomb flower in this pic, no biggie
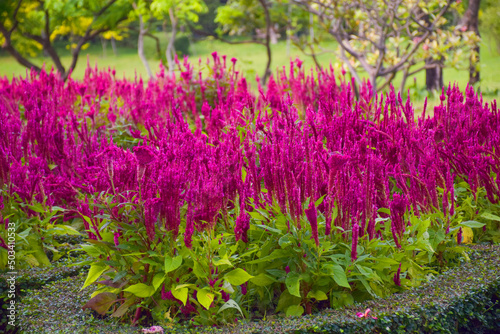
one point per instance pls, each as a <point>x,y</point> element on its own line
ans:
<point>153,329</point>
<point>365,314</point>
<point>396,278</point>
<point>144,155</point>
<point>312,216</point>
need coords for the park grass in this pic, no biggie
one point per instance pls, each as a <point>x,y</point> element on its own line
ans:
<point>251,63</point>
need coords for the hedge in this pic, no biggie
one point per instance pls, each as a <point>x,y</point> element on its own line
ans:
<point>36,278</point>
<point>464,299</point>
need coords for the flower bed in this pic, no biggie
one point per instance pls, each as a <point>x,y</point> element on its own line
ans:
<point>207,204</point>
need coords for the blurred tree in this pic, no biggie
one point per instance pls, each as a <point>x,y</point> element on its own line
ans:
<point>470,22</point>
<point>206,21</point>
<point>246,17</point>
<point>490,19</point>
<point>176,12</point>
<point>383,37</point>
<point>30,26</point>
<point>142,11</point>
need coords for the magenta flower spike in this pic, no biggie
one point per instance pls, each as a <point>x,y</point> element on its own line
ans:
<point>397,279</point>
<point>354,245</point>
<point>312,217</point>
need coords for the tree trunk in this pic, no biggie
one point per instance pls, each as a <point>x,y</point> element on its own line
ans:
<point>113,46</point>
<point>103,44</point>
<point>373,83</point>
<point>170,47</point>
<point>268,40</point>
<point>434,75</point>
<point>140,46</point>
<point>157,42</point>
<point>469,22</point>
<point>289,30</point>
<point>311,28</point>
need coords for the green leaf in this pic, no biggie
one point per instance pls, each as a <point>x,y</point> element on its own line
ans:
<point>101,303</point>
<point>158,280</point>
<point>473,223</point>
<point>243,174</point>
<point>199,271</point>
<point>95,272</point>
<point>141,290</point>
<point>124,307</point>
<point>384,210</point>
<point>262,280</point>
<point>237,276</point>
<point>37,208</point>
<point>490,216</point>
<point>65,229</point>
<point>286,300</point>
<point>268,228</point>
<point>181,294</point>
<point>319,201</point>
<point>172,263</point>
<point>294,311</point>
<point>276,254</point>
<point>365,271</point>
<point>230,304</point>
<point>292,282</point>
<point>435,238</point>
<point>285,241</point>
<point>338,274</point>
<point>224,260</point>
<point>205,298</point>
<point>317,294</point>
<point>91,250</point>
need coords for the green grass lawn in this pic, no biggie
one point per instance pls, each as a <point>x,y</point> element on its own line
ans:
<point>251,62</point>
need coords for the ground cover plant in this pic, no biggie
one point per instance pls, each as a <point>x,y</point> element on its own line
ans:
<point>205,202</point>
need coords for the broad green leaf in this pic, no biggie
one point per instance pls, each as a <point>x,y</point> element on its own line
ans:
<point>227,287</point>
<point>384,210</point>
<point>101,303</point>
<point>230,304</point>
<point>286,300</point>
<point>158,280</point>
<point>63,229</point>
<point>435,238</point>
<point>95,272</point>
<point>237,276</point>
<point>205,298</point>
<point>490,216</point>
<point>141,290</point>
<point>317,294</point>
<point>292,282</point>
<point>473,223</point>
<point>172,263</point>
<point>276,254</point>
<point>199,271</point>
<point>284,241</point>
<point>37,208</point>
<point>224,260</point>
<point>365,271</point>
<point>257,216</point>
<point>294,311</point>
<point>181,294</point>
<point>338,274</point>
<point>262,280</point>
<point>268,228</point>
<point>91,250</point>
<point>120,311</point>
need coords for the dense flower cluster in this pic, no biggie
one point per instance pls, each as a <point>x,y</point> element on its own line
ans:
<point>191,149</point>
